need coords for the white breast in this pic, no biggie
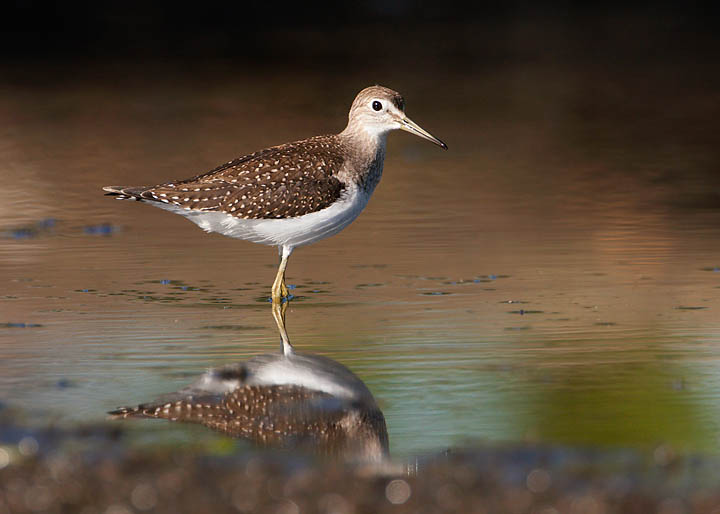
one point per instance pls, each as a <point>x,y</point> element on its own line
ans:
<point>290,232</point>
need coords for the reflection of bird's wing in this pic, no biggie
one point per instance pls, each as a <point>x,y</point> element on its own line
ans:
<point>256,412</point>
<point>284,181</point>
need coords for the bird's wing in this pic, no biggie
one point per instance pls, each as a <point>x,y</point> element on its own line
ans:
<point>280,182</point>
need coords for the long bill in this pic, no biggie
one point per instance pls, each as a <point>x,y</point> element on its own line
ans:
<point>409,125</point>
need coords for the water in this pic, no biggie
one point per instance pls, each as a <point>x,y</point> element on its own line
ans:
<point>553,277</point>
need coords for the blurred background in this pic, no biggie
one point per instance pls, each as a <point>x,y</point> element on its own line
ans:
<point>553,277</point>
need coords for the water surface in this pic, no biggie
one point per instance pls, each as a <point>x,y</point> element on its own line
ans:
<point>554,277</point>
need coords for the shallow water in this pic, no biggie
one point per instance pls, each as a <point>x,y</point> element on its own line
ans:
<point>554,277</point>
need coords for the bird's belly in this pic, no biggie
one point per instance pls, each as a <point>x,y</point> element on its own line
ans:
<point>292,232</point>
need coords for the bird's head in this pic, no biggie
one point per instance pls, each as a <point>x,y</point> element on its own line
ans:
<point>377,110</point>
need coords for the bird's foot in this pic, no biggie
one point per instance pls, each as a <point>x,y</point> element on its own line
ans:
<point>281,294</point>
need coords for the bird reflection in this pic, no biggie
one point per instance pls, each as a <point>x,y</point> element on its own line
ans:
<point>288,400</point>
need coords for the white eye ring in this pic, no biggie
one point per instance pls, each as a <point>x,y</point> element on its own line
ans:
<point>377,106</point>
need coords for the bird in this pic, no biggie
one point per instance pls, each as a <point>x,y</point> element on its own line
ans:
<point>296,400</point>
<point>293,194</point>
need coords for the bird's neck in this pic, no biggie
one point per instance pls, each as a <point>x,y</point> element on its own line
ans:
<point>366,155</point>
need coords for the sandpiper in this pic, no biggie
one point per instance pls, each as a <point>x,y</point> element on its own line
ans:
<point>293,194</point>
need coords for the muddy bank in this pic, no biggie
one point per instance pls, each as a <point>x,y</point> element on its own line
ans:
<point>93,470</point>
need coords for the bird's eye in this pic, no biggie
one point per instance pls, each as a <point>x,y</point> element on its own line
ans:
<point>377,105</point>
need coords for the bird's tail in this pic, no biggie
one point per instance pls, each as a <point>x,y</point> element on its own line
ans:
<point>125,192</point>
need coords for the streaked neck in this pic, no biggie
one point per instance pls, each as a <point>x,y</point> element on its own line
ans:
<point>366,153</point>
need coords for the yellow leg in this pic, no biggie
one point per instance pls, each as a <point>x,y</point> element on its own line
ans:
<point>279,289</point>
<point>278,311</point>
